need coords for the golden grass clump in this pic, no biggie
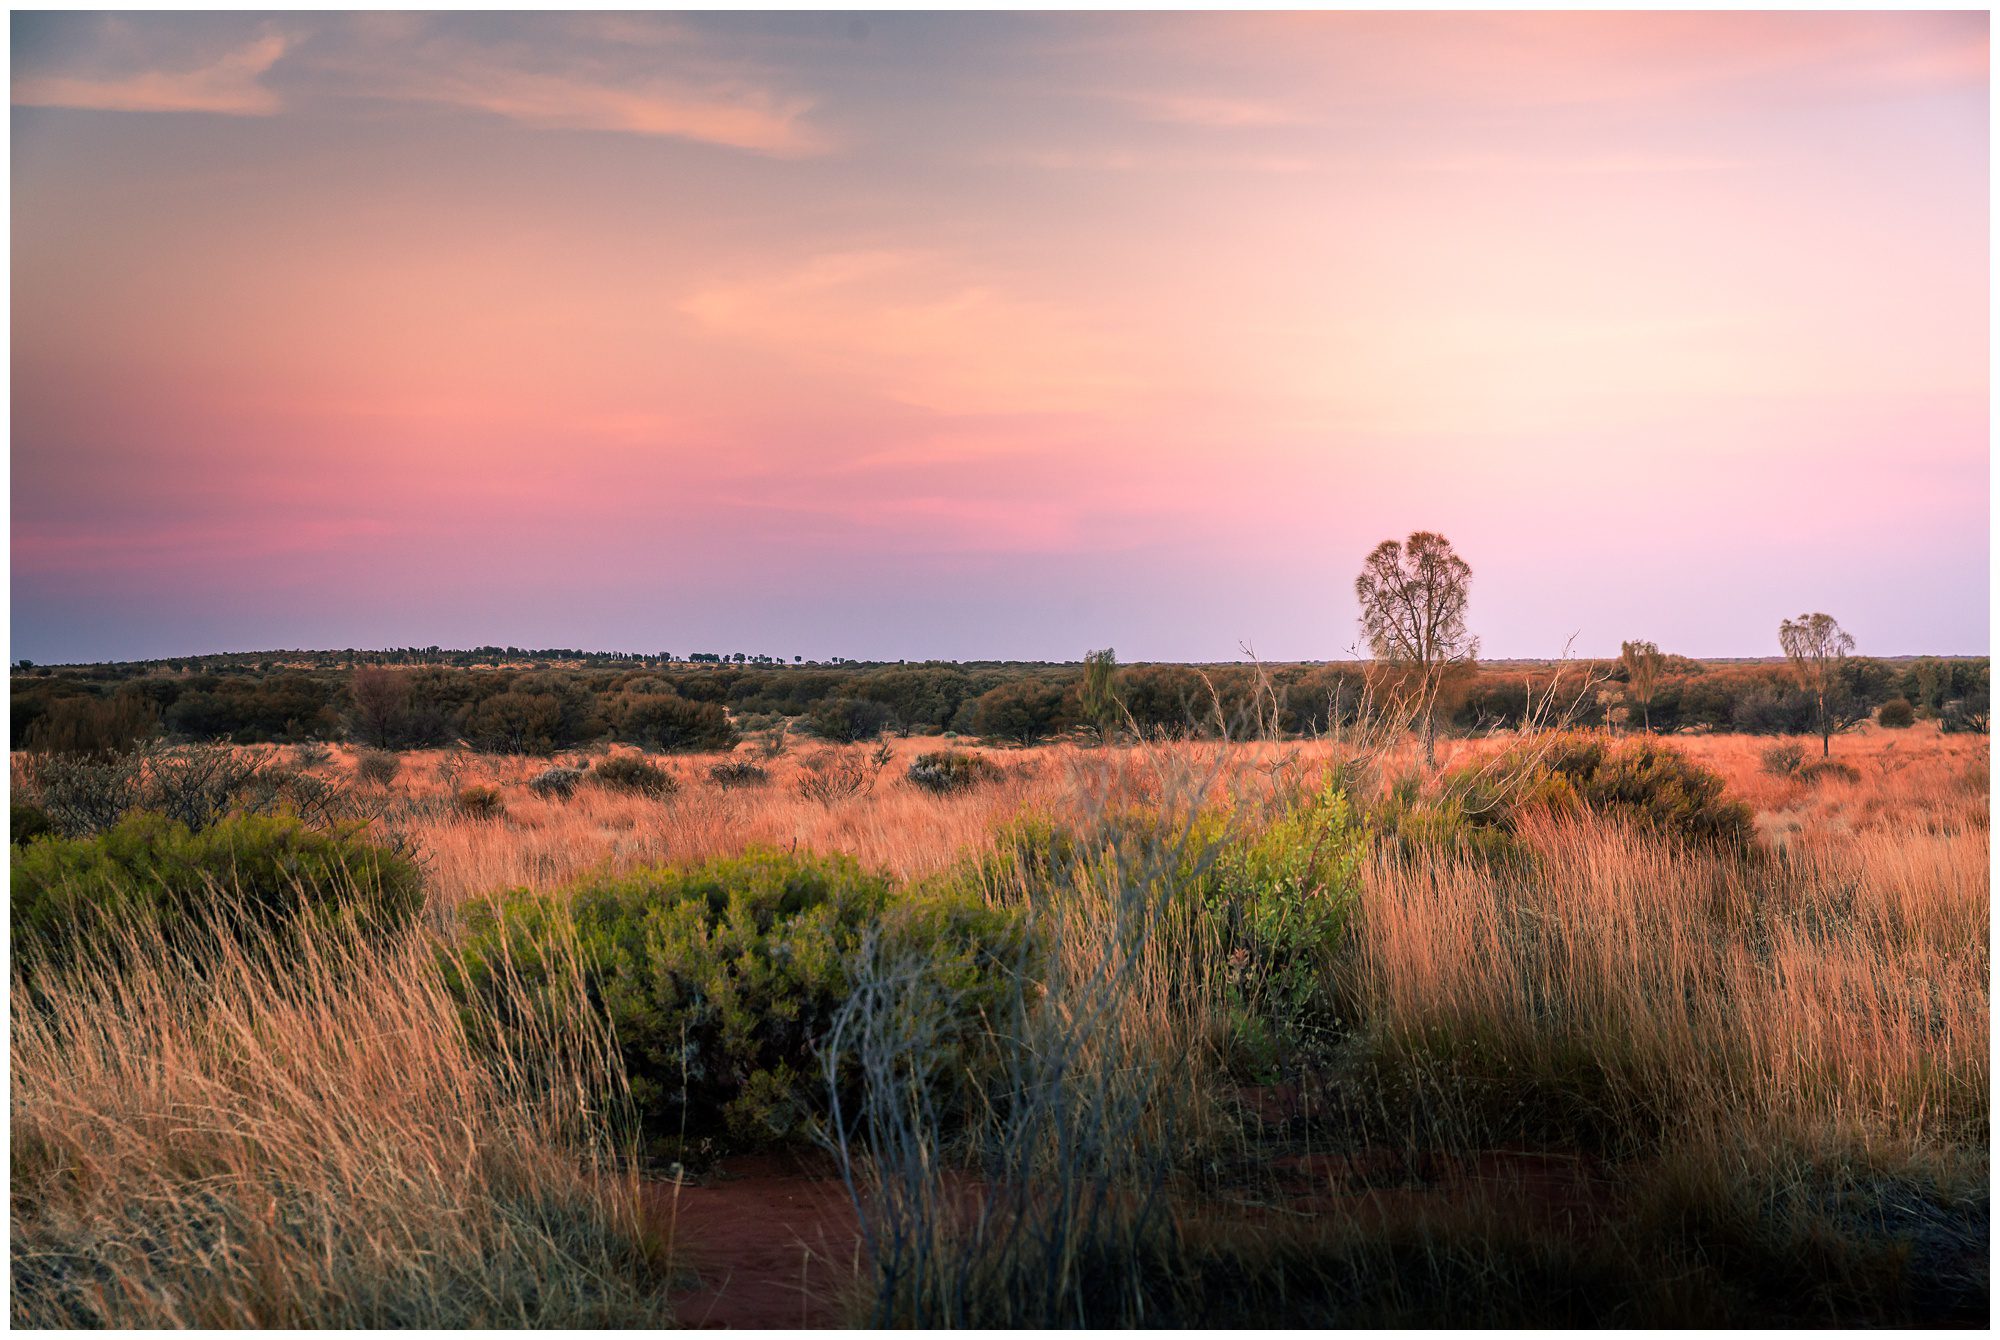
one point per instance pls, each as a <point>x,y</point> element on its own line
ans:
<point>318,1147</point>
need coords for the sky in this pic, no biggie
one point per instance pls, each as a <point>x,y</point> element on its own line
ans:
<point>994,336</point>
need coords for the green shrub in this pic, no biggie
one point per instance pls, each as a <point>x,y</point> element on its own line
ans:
<point>480,802</point>
<point>377,767</point>
<point>945,772</point>
<point>629,772</point>
<point>1279,904</point>
<point>74,891</point>
<point>722,980</point>
<point>1641,780</point>
<point>1784,760</point>
<point>1897,714</point>
<point>738,772</point>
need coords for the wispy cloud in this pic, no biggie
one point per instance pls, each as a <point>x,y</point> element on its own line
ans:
<point>740,117</point>
<point>230,86</point>
<point>1198,110</point>
<point>925,331</point>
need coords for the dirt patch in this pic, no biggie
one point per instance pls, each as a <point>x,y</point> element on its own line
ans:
<point>771,1239</point>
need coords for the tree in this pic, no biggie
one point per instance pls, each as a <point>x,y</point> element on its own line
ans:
<point>381,704</point>
<point>1022,710</point>
<point>1413,597</point>
<point>1100,692</point>
<point>1643,663</point>
<point>1816,646</point>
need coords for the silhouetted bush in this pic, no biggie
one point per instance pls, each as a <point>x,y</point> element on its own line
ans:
<point>480,802</point>
<point>377,767</point>
<point>92,727</point>
<point>26,822</point>
<point>847,720</point>
<point>655,717</point>
<point>1827,770</point>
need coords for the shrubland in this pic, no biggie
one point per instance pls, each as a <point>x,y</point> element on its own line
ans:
<point>1573,1029</point>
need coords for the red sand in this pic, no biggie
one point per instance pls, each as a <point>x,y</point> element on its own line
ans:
<point>774,1245</point>
<point>773,1242</point>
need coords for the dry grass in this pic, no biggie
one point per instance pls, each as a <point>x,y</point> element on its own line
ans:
<point>229,1146</point>
<point>324,1148</point>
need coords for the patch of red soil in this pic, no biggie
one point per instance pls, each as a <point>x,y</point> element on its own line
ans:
<point>772,1241</point>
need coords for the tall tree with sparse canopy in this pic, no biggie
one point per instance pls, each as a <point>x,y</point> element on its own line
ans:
<point>1100,694</point>
<point>1643,663</point>
<point>1816,646</point>
<point>1413,597</point>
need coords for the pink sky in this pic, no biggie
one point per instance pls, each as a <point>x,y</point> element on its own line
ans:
<point>995,336</point>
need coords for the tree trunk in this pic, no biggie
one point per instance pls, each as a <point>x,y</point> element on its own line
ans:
<point>1430,736</point>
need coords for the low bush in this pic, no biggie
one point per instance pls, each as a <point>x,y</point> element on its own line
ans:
<point>945,772</point>
<point>81,794</point>
<point>556,783</point>
<point>1641,780</point>
<point>1897,714</point>
<point>721,981</point>
<point>480,802</point>
<point>244,869</point>
<point>737,772</point>
<point>629,772</point>
<point>1784,760</point>
<point>377,767</point>
<point>834,775</point>
<point>1828,770</point>
<point>26,822</point>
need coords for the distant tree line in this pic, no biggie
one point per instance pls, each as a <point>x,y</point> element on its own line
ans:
<point>682,706</point>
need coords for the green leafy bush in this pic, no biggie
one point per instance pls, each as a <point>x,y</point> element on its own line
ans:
<point>945,772</point>
<point>722,980</point>
<point>269,869</point>
<point>1641,780</point>
<point>629,772</point>
<point>1897,714</point>
<point>1279,904</point>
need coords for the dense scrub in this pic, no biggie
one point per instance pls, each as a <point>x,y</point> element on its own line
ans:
<point>244,871</point>
<point>721,981</point>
